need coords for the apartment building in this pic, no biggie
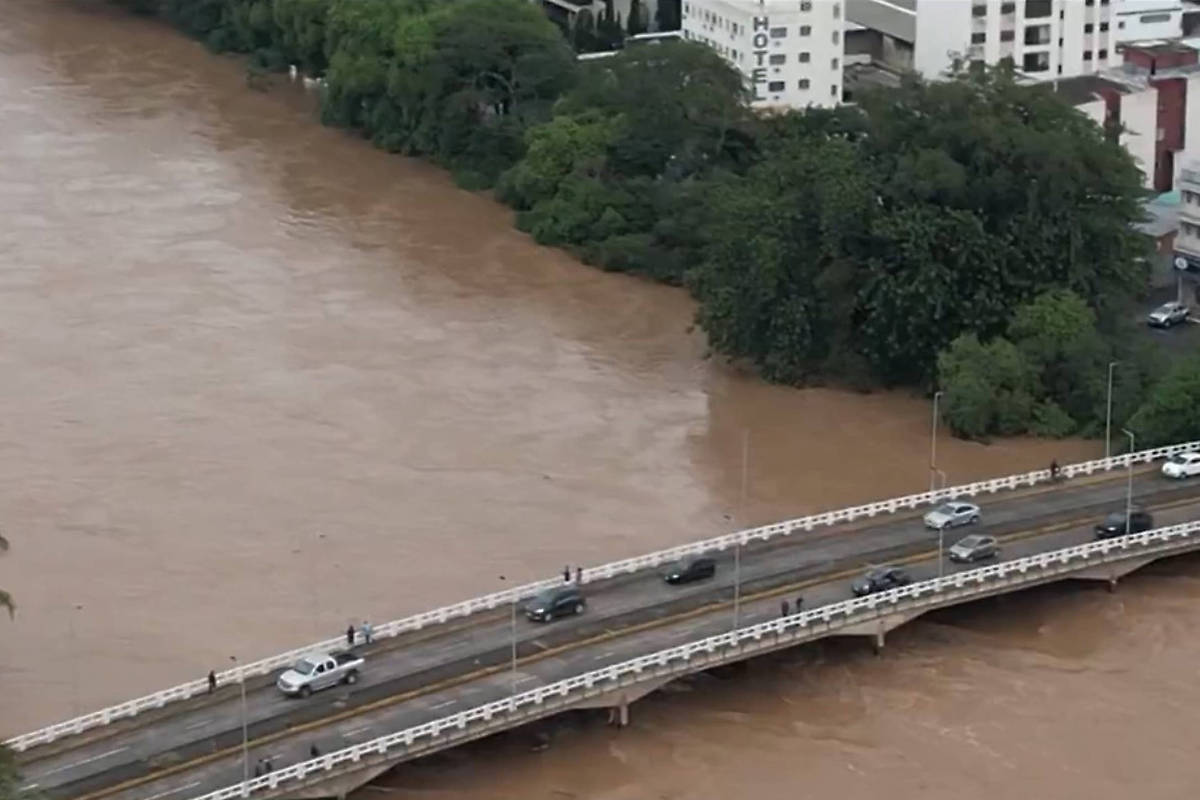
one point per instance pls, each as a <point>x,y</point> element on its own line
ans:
<point>790,51</point>
<point>1187,240</point>
<point>1046,39</point>
<point>1138,20</point>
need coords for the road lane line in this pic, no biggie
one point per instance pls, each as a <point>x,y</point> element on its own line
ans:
<point>443,705</point>
<point>195,725</point>
<point>29,786</point>
<point>356,731</point>
<point>173,791</point>
<point>83,761</point>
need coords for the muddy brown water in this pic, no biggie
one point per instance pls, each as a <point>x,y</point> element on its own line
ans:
<point>260,379</point>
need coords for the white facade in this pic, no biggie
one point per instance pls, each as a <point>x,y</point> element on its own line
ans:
<point>1046,39</point>
<point>1187,241</point>
<point>791,52</point>
<point>1148,19</point>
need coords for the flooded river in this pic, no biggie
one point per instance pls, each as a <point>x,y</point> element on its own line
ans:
<point>260,379</point>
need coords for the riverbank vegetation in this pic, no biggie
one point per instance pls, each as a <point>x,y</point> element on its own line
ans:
<point>972,234</point>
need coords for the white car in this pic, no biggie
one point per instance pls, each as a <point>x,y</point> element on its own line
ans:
<point>1182,465</point>
<point>951,515</point>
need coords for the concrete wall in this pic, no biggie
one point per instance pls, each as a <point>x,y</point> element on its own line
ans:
<point>943,28</point>
<point>1139,116</point>
<point>1130,26</point>
<point>1095,110</point>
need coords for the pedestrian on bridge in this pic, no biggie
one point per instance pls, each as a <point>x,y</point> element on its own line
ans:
<point>579,575</point>
<point>313,752</point>
<point>1054,469</point>
<point>783,608</point>
<point>368,632</point>
<point>799,602</point>
<point>567,574</point>
<point>350,636</point>
<point>212,681</point>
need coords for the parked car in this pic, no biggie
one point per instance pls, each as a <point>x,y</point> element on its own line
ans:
<point>975,547</point>
<point>951,515</point>
<point>317,671</point>
<point>880,579</point>
<point>1114,523</point>
<point>1168,314</point>
<point>696,568</point>
<point>559,601</point>
<point>1182,465</point>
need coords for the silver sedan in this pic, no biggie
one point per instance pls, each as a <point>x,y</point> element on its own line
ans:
<point>951,515</point>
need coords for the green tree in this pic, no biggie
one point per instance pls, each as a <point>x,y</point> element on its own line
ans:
<point>10,775</point>
<point>988,387</point>
<point>637,18</point>
<point>1169,413</point>
<point>668,15</point>
<point>302,31</point>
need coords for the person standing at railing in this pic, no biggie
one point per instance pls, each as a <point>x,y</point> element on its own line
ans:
<point>567,574</point>
<point>212,681</point>
<point>350,635</point>
<point>579,576</point>
<point>1054,469</point>
<point>368,632</point>
<point>783,608</point>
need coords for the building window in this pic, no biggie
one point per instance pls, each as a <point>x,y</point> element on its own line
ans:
<point>778,58</point>
<point>1103,54</point>
<point>1089,2</point>
<point>775,86</point>
<point>804,84</point>
<point>778,33</point>
<point>1150,19</point>
<point>837,36</point>
<point>804,58</point>
<point>833,63</point>
<point>806,5</point>
<point>1087,55</point>
<point>1008,35</point>
<point>978,38</point>
<point>1089,28</point>
<point>1104,27</point>
<point>1037,34</point>
<point>1121,26</point>
<point>979,11</point>
<point>1008,8</point>
<point>805,30</point>
<point>1036,62</point>
<point>837,10</point>
<point>1035,9</point>
<point>833,92</point>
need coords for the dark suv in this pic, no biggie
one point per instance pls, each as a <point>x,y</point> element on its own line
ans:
<point>1114,523</point>
<point>880,579</point>
<point>696,568</point>
<point>550,604</point>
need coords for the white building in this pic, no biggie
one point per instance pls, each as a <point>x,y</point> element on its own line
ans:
<point>1148,19</point>
<point>789,50</point>
<point>1045,39</point>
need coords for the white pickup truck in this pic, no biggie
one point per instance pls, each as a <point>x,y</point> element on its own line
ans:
<point>317,671</point>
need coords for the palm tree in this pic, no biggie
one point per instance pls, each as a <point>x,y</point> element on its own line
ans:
<point>6,601</point>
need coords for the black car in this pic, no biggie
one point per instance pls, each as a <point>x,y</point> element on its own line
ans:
<point>880,579</point>
<point>687,570</point>
<point>550,604</point>
<point>1114,524</point>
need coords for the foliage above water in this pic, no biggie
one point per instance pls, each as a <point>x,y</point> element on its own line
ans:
<point>973,233</point>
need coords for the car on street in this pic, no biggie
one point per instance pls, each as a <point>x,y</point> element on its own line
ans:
<point>975,547</point>
<point>686,570</point>
<point>559,601</point>
<point>880,579</point>
<point>1167,315</point>
<point>951,515</point>
<point>1114,523</point>
<point>1182,465</point>
<point>317,671</point>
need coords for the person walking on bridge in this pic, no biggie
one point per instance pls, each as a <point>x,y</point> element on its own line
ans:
<point>212,681</point>
<point>350,636</point>
<point>579,576</point>
<point>567,574</point>
<point>368,632</point>
<point>1054,469</point>
<point>783,608</point>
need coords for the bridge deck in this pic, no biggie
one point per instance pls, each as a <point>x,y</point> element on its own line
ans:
<point>627,616</point>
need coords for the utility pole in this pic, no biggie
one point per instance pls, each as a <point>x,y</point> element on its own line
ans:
<point>1129,489</point>
<point>1108,413</point>
<point>737,545</point>
<point>933,445</point>
<point>245,728</point>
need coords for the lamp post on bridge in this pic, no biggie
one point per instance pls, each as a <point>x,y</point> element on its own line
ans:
<point>737,545</point>
<point>513,634</point>
<point>1129,482</point>
<point>1108,413</point>
<point>933,470</point>
<point>245,729</point>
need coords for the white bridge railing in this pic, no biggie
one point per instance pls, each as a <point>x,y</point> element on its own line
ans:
<point>817,622</point>
<point>184,691</point>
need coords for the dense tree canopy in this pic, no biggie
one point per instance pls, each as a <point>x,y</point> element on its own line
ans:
<point>1169,413</point>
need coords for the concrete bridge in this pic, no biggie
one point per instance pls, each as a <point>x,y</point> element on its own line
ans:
<point>446,677</point>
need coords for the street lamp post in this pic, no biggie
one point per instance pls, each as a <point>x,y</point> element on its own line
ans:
<point>933,444</point>
<point>1129,488</point>
<point>941,543</point>
<point>245,729</point>
<point>74,659</point>
<point>1108,413</point>
<point>513,636</point>
<point>737,545</point>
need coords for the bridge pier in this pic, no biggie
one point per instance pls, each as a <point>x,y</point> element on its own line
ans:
<point>877,645</point>
<point>1113,572</point>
